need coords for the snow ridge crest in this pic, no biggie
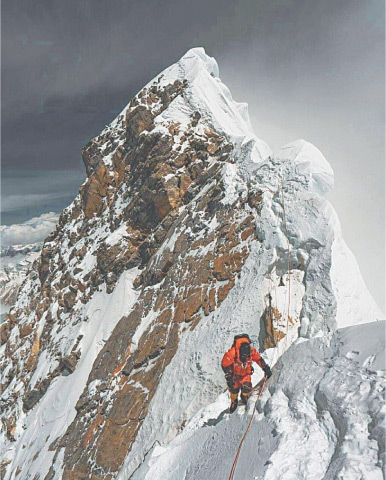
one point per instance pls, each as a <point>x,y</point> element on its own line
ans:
<point>187,231</point>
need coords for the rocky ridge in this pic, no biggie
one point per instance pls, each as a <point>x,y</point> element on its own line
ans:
<point>185,214</point>
<point>153,201</point>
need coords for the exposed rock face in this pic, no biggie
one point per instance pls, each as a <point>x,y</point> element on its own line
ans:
<point>167,226</point>
<point>154,200</point>
<point>182,286</point>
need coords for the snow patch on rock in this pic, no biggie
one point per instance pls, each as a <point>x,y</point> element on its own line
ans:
<point>50,418</point>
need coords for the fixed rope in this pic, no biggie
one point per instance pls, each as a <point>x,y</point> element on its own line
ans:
<point>286,339</point>
<point>247,430</point>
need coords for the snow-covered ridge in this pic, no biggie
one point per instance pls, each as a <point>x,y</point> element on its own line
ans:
<point>186,232</point>
<point>206,94</point>
<point>321,416</point>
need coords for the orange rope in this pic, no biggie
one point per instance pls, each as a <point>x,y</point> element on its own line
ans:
<point>246,431</point>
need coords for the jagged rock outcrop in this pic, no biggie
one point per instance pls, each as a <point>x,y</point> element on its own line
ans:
<point>184,216</point>
<point>154,201</point>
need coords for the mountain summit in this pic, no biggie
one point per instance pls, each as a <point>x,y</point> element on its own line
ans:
<point>186,232</point>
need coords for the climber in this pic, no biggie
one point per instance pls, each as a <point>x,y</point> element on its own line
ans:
<point>237,366</point>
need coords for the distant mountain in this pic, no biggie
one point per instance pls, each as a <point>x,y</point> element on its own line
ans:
<point>15,262</point>
<point>187,232</point>
<point>20,246</point>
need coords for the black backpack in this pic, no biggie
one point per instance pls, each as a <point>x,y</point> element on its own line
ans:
<point>245,352</point>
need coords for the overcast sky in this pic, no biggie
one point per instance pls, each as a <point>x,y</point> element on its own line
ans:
<point>307,69</point>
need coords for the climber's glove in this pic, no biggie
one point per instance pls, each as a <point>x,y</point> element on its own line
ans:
<point>228,376</point>
<point>265,368</point>
<point>267,371</point>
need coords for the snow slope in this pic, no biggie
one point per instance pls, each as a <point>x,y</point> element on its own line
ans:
<point>322,417</point>
<point>322,411</point>
<point>50,419</point>
<point>301,244</point>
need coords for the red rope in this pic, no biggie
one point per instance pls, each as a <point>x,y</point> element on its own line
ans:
<point>246,431</point>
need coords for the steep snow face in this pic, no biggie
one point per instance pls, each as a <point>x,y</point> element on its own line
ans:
<point>309,161</point>
<point>287,288</point>
<point>321,417</point>
<point>209,95</point>
<point>186,232</point>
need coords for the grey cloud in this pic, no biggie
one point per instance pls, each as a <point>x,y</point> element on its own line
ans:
<point>307,69</point>
<point>34,230</point>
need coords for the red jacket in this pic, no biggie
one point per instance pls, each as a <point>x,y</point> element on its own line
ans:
<point>231,362</point>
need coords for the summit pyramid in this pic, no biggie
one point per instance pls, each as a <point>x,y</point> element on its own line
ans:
<point>187,231</point>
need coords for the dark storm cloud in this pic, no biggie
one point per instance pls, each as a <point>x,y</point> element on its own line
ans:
<point>84,57</point>
<point>55,51</point>
<point>79,62</point>
<point>311,69</point>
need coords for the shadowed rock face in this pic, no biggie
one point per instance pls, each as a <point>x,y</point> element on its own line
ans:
<point>163,190</point>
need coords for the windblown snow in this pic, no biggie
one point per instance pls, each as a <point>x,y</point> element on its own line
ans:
<point>322,413</point>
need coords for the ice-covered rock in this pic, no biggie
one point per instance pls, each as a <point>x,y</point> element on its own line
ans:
<point>187,231</point>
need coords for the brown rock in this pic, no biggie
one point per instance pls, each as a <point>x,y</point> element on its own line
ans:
<point>91,156</point>
<point>137,121</point>
<point>181,160</point>
<point>31,362</point>
<point>224,290</point>
<point>269,335</point>
<point>96,188</point>
<point>212,299</point>
<point>255,199</point>
<point>25,330</point>
<point>179,312</point>
<point>185,182</point>
<point>10,424</point>
<point>193,302</point>
<point>174,128</point>
<point>67,299</point>
<point>162,203</point>
<point>180,244</point>
<point>247,232</point>
<point>221,267</point>
<point>212,148</point>
<point>5,329</point>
